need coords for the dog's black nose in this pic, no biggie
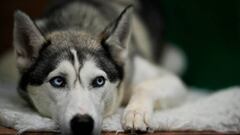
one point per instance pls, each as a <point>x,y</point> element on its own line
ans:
<point>82,124</point>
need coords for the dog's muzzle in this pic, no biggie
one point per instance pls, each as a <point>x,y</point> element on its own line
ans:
<point>82,124</point>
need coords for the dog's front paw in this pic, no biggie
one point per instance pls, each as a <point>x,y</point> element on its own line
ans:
<point>137,118</point>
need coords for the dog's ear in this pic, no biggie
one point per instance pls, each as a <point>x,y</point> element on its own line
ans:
<point>116,35</point>
<point>27,40</point>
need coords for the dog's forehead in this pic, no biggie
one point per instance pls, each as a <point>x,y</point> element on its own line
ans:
<point>72,46</point>
<point>74,39</point>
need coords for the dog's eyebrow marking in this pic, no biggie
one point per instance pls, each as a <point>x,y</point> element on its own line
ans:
<point>76,65</point>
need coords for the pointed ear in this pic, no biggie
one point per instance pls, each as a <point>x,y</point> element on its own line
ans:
<point>117,34</point>
<point>27,40</point>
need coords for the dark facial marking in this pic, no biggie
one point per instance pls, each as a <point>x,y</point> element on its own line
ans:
<point>103,60</point>
<point>107,64</point>
<point>44,64</point>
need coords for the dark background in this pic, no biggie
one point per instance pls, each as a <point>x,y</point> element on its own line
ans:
<point>207,30</point>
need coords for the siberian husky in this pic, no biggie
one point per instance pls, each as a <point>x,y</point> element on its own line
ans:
<point>84,58</point>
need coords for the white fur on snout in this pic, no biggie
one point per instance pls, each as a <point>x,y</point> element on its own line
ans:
<point>76,102</point>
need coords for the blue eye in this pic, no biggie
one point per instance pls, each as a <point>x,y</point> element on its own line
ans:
<point>98,81</point>
<point>58,82</point>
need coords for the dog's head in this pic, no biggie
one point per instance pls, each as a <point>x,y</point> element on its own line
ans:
<point>71,76</point>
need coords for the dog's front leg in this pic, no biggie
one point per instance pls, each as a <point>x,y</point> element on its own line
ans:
<point>161,92</point>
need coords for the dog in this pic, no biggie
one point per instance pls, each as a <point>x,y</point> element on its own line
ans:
<point>84,58</point>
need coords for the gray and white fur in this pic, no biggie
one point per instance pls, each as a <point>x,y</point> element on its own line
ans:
<point>84,58</point>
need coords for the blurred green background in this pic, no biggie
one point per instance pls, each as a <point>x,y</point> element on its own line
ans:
<point>209,32</point>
